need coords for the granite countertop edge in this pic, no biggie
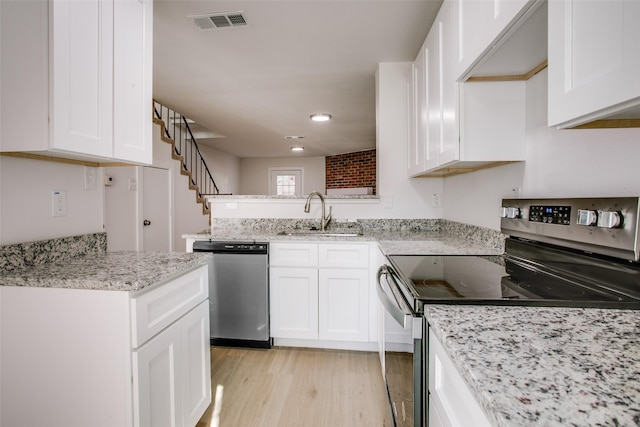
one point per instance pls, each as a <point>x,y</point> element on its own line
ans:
<point>390,242</point>
<point>545,366</point>
<point>109,271</point>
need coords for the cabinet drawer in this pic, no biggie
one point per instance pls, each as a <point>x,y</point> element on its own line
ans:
<point>293,255</point>
<point>153,311</point>
<point>341,255</point>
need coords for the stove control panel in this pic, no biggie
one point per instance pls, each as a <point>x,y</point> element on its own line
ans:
<point>550,214</point>
<point>608,225</point>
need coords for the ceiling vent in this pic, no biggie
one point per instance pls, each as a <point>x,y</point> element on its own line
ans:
<point>219,20</point>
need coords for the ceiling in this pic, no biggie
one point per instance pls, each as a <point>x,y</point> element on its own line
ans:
<point>250,86</point>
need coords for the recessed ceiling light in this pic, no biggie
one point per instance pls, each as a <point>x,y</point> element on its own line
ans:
<point>320,117</point>
<point>295,149</point>
<point>294,137</point>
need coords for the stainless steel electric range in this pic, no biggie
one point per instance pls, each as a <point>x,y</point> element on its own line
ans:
<point>560,252</point>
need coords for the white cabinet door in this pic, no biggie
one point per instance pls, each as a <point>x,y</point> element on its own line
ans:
<point>172,373</point>
<point>294,302</point>
<point>443,145</point>
<point>196,371</point>
<point>472,33</point>
<point>82,76</point>
<point>502,14</point>
<point>450,146</point>
<point>132,80</point>
<point>418,114</point>
<point>157,381</point>
<point>435,81</point>
<point>343,305</point>
<point>594,60</point>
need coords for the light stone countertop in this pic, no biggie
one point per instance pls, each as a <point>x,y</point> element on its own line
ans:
<point>537,366</point>
<point>391,242</point>
<point>117,271</point>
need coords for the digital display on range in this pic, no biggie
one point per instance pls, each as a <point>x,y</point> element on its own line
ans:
<point>550,214</point>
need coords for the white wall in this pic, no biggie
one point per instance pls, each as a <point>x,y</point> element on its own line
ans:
<point>400,197</point>
<point>224,168</point>
<point>26,188</point>
<point>560,163</point>
<point>254,173</point>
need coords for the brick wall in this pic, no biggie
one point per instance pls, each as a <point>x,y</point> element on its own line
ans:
<point>351,170</point>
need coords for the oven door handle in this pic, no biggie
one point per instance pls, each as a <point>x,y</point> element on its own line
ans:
<point>392,307</point>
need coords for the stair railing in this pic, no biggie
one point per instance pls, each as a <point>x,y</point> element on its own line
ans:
<point>186,148</point>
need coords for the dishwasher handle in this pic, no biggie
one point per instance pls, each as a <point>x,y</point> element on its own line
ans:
<point>393,307</point>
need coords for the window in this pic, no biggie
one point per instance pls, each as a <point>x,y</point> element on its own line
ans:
<point>285,182</point>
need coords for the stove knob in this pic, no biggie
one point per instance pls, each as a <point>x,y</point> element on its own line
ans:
<point>609,219</point>
<point>513,212</point>
<point>503,212</point>
<point>587,217</point>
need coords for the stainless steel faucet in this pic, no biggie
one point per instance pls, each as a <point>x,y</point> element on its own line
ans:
<point>324,220</point>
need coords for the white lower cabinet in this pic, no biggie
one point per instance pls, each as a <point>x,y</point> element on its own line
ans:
<point>294,302</point>
<point>343,305</point>
<point>171,381</point>
<point>319,293</point>
<point>451,403</point>
<point>78,357</point>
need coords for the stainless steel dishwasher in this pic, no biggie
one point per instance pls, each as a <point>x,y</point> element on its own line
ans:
<point>238,293</point>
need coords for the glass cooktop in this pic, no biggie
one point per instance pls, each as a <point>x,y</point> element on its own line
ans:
<point>498,280</point>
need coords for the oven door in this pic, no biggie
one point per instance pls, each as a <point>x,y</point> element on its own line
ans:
<point>402,350</point>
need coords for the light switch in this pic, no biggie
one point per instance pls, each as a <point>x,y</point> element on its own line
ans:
<point>90,178</point>
<point>59,202</point>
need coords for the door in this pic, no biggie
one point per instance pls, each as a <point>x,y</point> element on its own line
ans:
<point>156,210</point>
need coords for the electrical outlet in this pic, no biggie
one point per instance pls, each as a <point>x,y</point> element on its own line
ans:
<point>59,203</point>
<point>133,184</point>
<point>436,200</point>
<point>387,202</point>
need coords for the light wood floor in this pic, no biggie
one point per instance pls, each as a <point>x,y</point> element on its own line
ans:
<point>286,387</point>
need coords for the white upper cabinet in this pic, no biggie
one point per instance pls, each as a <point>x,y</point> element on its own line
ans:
<point>87,92</point>
<point>467,126</point>
<point>594,61</point>
<point>483,26</point>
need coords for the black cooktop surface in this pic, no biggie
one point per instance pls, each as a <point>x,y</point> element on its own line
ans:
<point>510,281</point>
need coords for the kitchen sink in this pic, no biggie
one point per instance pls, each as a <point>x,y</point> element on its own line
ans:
<point>328,233</point>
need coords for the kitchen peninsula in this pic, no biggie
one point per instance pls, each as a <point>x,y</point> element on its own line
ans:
<point>101,338</point>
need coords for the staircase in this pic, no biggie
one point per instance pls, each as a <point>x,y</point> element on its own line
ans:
<point>175,131</point>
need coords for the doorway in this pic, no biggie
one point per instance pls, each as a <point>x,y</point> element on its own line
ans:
<point>156,210</point>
